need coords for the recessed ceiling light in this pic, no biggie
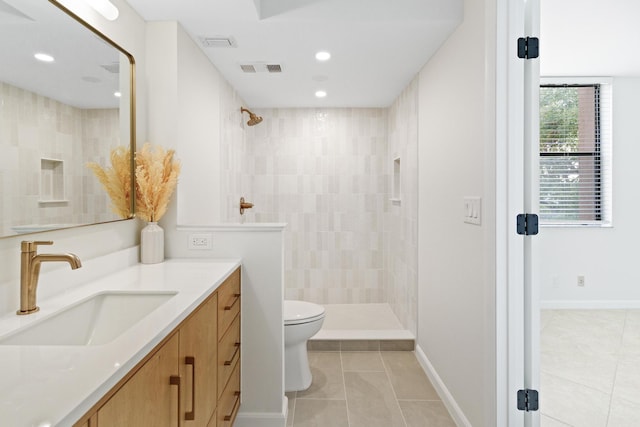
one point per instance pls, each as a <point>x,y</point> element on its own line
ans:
<point>321,94</point>
<point>117,94</point>
<point>323,56</point>
<point>43,57</point>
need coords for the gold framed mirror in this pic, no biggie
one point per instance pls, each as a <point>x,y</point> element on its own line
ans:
<point>57,116</point>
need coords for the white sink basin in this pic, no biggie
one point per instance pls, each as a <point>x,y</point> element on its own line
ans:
<point>96,320</point>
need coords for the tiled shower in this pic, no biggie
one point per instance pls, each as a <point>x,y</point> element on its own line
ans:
<point>45,147</point>
<point>331,175</point>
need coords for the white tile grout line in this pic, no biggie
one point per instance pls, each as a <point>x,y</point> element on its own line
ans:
<point>393,390</point>
<point>615,373</point>
<point>293,410</point>
<point>344,384</point>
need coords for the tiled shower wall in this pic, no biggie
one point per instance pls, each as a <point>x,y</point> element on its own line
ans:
<point>324,172</point>
<point>34,127</point>
<point>327,173</point>
<point>401,248</point>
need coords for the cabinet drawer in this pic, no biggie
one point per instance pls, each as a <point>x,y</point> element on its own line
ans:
<point>228,353</point>
<point>228,301</point>
<point>229,403</point>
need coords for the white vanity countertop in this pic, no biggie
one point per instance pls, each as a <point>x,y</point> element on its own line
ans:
<point>43,386</point>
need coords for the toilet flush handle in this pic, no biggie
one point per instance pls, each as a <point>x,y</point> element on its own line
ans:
<point>244,205</point>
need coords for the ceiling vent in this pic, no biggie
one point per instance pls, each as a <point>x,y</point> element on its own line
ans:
<point>261,67</point>
<point>218,41</point>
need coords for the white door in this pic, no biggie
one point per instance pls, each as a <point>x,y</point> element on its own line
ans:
<point>531,202</point>
<point>522,315</point>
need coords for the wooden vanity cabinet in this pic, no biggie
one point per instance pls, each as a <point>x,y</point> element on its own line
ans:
<point>198,363</point>
<point>148,398</point>
<point>228,351</point>
<point>190,379</point>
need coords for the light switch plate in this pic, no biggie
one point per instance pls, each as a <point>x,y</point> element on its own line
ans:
<point>473,210</point>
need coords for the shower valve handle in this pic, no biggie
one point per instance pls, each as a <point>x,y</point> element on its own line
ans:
<point>244,205</point>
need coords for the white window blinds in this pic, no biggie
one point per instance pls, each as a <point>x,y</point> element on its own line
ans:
<point>575,154</point>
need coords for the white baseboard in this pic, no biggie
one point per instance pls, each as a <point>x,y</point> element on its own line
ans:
<point>263,419</point>
<point>590,304</point>
<point>452,406</point>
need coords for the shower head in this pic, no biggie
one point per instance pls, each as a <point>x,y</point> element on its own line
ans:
<point>253,119</point>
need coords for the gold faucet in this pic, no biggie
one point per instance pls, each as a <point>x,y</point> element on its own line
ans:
<point>30,272</point>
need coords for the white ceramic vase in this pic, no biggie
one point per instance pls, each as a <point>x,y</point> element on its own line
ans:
<point>152,244</point>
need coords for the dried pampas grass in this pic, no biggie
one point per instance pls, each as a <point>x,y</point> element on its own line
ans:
<point>116,180</point>
<point>156,178</point>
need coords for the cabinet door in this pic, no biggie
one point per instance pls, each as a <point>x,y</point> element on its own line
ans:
<point>148,398</point>
<point>198,361</point>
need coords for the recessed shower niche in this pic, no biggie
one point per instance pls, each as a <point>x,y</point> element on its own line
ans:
<point>395,184</point>
<point>51,181</point>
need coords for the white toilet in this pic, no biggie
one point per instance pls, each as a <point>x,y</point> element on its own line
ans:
<point>302,320</point>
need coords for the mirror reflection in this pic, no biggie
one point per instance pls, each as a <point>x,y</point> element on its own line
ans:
<point>65,100</point>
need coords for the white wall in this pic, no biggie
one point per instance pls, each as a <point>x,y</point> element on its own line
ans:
<point>456,291</point>
<point>190,107</point>
<point>185,114</point>
<point>605,256</point>
<point>90,241</point>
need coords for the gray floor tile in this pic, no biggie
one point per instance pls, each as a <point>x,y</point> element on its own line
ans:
<point>326,369</point>
<point>558,401</point>
<point>371,401</point>
<point>407,377</point>
<point>397,345</point>
<point>587,348</point>
<point>360,345</point>
<point>425,413</point>
<point>624,413</point>
<point>362,361</point>
<point>291,407</point>
<point>323,345</point>
<point>627,384</point>
<point>320,413</point>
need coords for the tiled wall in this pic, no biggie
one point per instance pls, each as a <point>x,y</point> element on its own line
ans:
<point>401,221</point>
<point>324,172</point>
<point>327,173</point>
<point>34,127</point>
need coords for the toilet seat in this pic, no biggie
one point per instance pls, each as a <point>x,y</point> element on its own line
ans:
<point>300,312</point>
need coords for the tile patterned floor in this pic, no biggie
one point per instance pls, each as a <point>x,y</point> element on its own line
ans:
<point>367,389</point>
<point>590,368</point>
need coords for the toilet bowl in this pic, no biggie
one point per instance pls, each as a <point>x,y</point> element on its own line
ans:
<point>302,320</point>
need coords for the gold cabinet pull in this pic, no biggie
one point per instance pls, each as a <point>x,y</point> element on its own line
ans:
<point>233,356</point>
<point>230,306</point>
<point>175,380</point>
<point>235,404</point>
<point>190,360</point>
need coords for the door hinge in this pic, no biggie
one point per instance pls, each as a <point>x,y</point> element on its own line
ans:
<point>528,400</point>
<point>527,224</point>
<point>528,47</point>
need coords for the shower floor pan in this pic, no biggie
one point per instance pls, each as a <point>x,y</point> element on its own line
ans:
<point>361,327</point>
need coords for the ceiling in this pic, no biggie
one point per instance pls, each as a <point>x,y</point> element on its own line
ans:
<point>377,46</point>
<point>589,38</point>
<point>85,73</point>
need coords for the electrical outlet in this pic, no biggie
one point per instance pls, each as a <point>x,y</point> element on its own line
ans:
<point>580,280</point>
<point>200,241</point>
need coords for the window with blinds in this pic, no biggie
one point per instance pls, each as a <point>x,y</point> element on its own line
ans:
<point>575,145</point>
